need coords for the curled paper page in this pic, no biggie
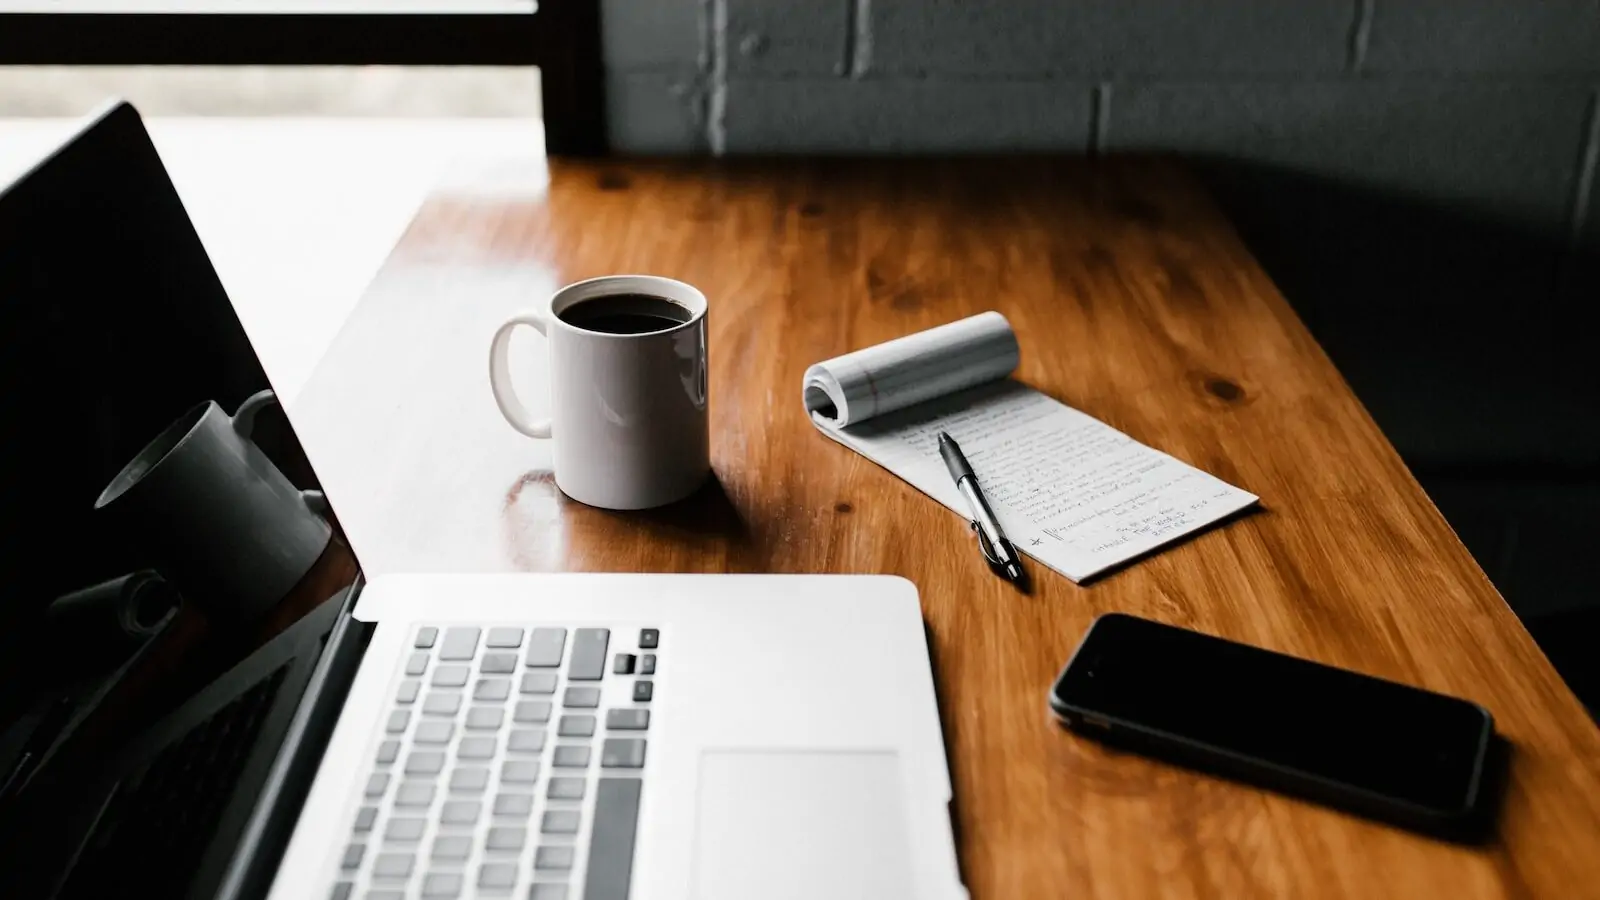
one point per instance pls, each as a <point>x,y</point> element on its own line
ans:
<point>852,388</point>
<point>1069,490</point>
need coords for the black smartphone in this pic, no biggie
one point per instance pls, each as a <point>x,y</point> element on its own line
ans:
<point>1370,746</point>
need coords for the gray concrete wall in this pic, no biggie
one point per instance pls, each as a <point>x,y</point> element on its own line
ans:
<point>1482,102</point>
<point>1482,106</point>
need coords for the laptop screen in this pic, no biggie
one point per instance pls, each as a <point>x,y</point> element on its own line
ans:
<point>144,455</point>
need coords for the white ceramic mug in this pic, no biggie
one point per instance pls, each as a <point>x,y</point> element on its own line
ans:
<point>225,525</point>
<point>628,410</point>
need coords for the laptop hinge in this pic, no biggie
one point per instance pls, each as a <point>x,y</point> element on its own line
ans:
<point>272,819</point>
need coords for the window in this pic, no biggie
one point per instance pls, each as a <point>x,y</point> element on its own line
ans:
<point>560,37</point>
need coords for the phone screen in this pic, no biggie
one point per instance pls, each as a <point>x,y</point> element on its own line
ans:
<point>1385,738</point>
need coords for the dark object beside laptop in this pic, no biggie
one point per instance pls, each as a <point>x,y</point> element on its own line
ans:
<point>1382,749</point>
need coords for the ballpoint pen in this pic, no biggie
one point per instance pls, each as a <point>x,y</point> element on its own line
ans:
<point>991,540</point>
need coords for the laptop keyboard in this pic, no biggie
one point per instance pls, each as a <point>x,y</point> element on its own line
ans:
<point>510,764</point>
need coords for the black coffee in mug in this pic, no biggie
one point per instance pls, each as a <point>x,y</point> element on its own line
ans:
<point>625,314</point>
<point>628,404</point>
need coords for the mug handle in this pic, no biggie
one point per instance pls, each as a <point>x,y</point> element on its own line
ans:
<point>505,395</point>
<point>244,421</point>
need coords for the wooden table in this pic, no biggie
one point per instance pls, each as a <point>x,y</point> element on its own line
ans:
<point>1134,301</point>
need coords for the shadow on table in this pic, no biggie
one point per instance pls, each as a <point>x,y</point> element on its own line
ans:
<point>707,513</point>
<point>545,530</point>
<point>1454,325</point>
<point>1459,328</point>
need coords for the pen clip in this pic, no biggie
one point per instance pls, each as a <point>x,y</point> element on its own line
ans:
<point>984,546</point>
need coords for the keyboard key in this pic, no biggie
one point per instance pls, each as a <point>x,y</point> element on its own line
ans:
<point>393,865</point>
<point>441,703</point>
<point>647,664</point>
<point>425,762</point>
<point>398,720</point>
<point>526,740</point>
<point>498,663</point>
<point>485,718</point>
<point>441,885</point>
<point>492,689</point>
<point>622,664</point>
<point>649,638</point>
<point>556,857</point>
<point>571,756</point>
<point>504,637</point>
<point>404,829</point>
<point>414,793</point>
<point>565,789</point>
<point>452,846</point>
<point>342,891</point>
<point>469,779</point>
<point>519,771</point>
<point>643,691</point>
<point>506,837</point>
<point>497,876</point>
<point>476,748</point>
<point>460,812</point>
<point>408,691</point>
<point>352,856</point>
<point>388,752</point>
<point>532,711</point>
<point>378,894</point>
<point>377,784</point>
<point>434,731</point>
<point>616,819</point>
<point>451,676</point>
<point>538,683</point>
<point>545,646</point>
<point>459,644</point>
<point>514,805</point>
<point>622,753</point>
<point>548,891</point>
<point>576,726</point>
<point>588,654</point>
<point>417,664</point>
<point>581,698</point>
<point>365,818</point>
<point>426,637</point>
<point>560,821</point>
<point>628,719</point>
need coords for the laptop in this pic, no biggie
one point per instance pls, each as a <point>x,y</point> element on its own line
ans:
<point>553,737</point>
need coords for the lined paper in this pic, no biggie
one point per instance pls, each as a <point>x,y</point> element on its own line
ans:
<point>1071,491</point>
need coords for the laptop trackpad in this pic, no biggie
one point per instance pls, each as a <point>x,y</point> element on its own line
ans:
<point>801,824</point>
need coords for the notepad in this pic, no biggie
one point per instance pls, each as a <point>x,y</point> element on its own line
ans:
<point>1070,491</point>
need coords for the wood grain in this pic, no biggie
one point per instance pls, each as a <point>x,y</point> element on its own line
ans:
<point>1136,302</point>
